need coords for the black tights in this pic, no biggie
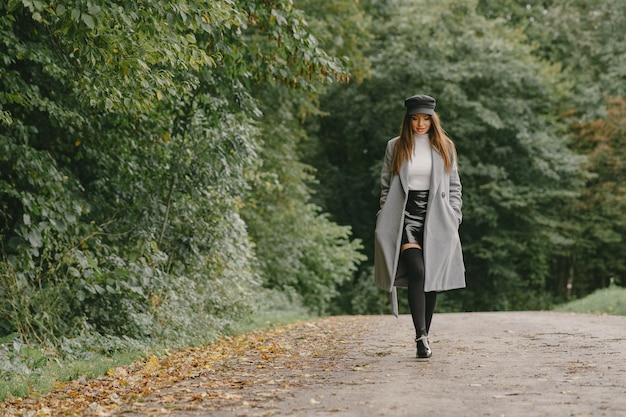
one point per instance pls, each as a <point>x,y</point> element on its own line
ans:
<point>422,303</point>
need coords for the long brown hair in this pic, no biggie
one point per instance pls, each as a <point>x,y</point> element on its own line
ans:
<point>403,149</point>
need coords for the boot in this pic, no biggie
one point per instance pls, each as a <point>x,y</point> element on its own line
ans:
<point>423,349</point>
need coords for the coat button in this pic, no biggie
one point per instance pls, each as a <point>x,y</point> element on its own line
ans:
<point>443,194</point>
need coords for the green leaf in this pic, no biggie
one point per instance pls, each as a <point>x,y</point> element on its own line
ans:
<point>88,19</point>
<point>76,15</point>
<point>34,238</point>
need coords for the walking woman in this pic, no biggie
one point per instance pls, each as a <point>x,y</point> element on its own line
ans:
<point>417,240</point>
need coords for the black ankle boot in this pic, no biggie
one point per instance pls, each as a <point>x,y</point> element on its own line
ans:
<point>423,349</point>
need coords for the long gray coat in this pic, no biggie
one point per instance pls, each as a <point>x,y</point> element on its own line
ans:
<point>443,257</point>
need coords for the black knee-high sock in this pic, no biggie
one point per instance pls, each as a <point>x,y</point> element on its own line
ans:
<point>414,262</point>
<point>431,303</point>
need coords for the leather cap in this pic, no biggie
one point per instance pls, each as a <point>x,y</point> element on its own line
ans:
<point>420,103</point>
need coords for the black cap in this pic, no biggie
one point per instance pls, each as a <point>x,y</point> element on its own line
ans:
<point>420,103</point>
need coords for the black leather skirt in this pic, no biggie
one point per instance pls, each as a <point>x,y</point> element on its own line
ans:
<point>414,216</point>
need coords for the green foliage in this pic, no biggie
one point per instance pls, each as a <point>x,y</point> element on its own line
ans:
<point>580,38</point>
<point>359,296</point>
<point>599,214</point>
<point>498,103</point>
<point>129,137</point>
<point>298,247</point>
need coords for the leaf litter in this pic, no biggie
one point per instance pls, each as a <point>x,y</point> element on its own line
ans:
<point>254,370</point>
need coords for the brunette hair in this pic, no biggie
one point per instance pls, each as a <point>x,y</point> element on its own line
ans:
<point>403,148</point>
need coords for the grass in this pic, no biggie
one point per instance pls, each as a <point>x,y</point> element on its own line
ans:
<point>610,300</point>
<point>45,378</point>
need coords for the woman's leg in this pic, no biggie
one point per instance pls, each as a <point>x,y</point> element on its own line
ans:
<point>414,261</point>
<point>431,303</point>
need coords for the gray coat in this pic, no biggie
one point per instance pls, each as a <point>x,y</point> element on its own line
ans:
<point>443,257</point>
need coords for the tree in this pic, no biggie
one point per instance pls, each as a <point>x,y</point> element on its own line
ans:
<point>585,39</point>
<point>598,256</point>
<point>128,136</point>
<point>498,102</point>
<point>299,249</point>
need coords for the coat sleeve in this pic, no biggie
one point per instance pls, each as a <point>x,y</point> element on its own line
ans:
<point>385,175</point>
<point>456,199</point>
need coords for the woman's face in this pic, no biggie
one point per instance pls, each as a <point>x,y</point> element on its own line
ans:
<point>420,123</point>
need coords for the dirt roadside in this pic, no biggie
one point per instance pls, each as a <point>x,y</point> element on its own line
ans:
<point>484,364</point>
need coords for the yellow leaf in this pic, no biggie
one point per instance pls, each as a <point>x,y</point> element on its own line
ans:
<point>152,364</point>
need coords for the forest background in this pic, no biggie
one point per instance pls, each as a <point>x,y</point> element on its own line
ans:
<point>169,170</point>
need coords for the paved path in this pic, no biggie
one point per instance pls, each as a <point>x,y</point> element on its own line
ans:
<point>484,364</point>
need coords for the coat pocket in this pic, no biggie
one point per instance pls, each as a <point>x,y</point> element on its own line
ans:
<point>451,213</point>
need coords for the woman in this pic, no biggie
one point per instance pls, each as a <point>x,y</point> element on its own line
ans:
<point>417,241</point>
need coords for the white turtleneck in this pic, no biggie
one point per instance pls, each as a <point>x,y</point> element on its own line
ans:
<point>420,164</point>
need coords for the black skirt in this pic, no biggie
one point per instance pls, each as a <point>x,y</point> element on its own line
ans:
<point>414,216</point>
